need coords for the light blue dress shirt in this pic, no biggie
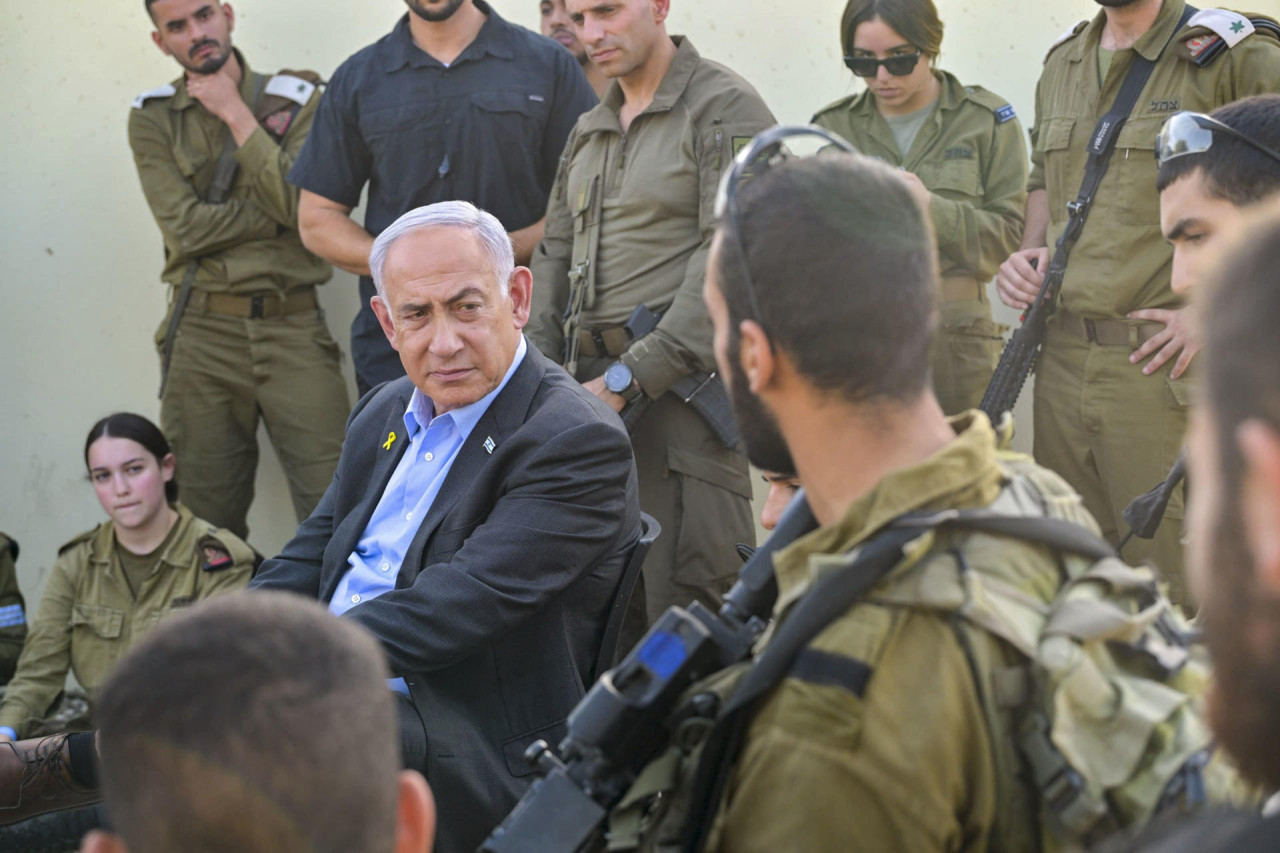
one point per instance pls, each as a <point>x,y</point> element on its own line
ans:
<point>434,442</point>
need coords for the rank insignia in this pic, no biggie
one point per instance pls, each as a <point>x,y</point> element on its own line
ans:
<point>489,445</point>
<point>391,439</point>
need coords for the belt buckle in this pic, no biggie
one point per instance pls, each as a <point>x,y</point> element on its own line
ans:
<point>1091,331</point>
<point>255,307</point>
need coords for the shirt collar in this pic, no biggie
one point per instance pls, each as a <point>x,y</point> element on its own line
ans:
<point>493,39</point>
<point>421,410</point>
<point>965,473</point>
<point>1149,45</point>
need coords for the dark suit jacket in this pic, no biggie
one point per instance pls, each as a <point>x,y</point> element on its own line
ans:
<point>500,604</point>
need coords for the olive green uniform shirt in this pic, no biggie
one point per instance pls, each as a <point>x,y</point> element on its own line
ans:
<point>906,763</point>
<point>971,157</point>
<point>1121,262</point>
<point>13,617</point>
<point>656,187</point>
<point>248,244</point>
<point>89,618</point>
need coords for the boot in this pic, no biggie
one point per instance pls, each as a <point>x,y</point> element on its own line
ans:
<point>35,778</point>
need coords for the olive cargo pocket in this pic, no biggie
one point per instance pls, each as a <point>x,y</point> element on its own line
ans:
<point>103,622</point>
<point>710,494</point>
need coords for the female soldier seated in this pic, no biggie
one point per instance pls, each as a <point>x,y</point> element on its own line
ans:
<point>113,583</point>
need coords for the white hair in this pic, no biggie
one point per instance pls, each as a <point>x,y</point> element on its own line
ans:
<point>448,214</point>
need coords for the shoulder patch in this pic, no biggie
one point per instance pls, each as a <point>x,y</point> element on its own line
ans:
<point>1071,33</point>
<point>165,91</point>
<point>1005,113</point>
<point>214,556</point>
<point>1231,27</point>
<point>83,537</point>
<point>288,86</point>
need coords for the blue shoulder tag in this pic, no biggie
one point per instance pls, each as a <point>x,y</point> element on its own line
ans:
<point>1005,113</point>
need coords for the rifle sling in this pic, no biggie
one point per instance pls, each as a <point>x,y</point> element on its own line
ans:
<point>224,176</point>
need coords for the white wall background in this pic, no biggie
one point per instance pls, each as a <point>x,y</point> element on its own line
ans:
<point>80,254</point>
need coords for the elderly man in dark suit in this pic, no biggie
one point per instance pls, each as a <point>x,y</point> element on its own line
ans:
<point>479,521</point>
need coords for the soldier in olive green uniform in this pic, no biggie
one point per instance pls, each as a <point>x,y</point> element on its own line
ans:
<point>965,145</point>
<point>13,615</point>
<point>1102,421</point>
<point>91,614</point>
<point>252,342</point>
<point>628,224</point>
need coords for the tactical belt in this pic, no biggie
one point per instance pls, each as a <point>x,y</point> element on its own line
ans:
<point>265,305</point>
<point>1107,333</point>
<point>962,288</point>
<point>611,341</point>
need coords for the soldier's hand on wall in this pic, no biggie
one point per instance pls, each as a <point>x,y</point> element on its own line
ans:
<point>1018,281</point>
<point>596,386</point>
<point>1179,336</point>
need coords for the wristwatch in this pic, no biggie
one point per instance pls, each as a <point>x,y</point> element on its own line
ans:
<point>619,379</point>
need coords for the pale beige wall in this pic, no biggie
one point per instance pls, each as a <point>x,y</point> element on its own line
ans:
<point>81,254</point>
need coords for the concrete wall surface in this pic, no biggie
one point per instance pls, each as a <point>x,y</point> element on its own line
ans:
<point>81,254</point>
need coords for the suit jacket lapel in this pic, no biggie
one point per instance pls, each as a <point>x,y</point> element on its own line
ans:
<point>385,459</point>
<point>504,415</point>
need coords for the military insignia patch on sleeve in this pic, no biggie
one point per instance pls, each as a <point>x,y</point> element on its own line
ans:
<point>740,142</point>
<point>1199,44</point>
<point>214,555</point>
<point>278,122</point>
<point>1005,113</point>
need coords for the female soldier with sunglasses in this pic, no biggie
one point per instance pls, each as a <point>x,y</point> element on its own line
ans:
<point>962,151</point>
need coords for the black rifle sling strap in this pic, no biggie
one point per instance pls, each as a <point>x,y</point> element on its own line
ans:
<point>829,598</point>
<point>223,176</point>
<point>1103,142</point>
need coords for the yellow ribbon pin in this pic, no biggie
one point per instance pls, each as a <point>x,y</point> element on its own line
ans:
<point>391,438</point>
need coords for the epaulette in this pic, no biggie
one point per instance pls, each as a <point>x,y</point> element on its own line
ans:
<point>841,104</point>
<point>220,550</point>
<point>83,537</point>
<point>282,97</point>
<point>1071,33</point>
<point>165,91</point>
<point>1002,109</point>
<point>1212,32</point>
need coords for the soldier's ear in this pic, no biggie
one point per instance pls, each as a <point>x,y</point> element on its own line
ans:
<point>415,814</point>
<point>159,42</point>
<point>661,9</point>
<point>755,356</point>
<point>231,16</point>
<point>1259,445</point>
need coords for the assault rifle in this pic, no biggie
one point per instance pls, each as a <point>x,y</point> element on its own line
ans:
<point>625,719</point>
<point>1018,358</point>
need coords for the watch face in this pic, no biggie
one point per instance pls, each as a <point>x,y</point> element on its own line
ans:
<point>617,378</point>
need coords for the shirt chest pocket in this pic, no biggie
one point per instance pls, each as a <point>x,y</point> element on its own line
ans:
<point>1131,176</point>
<point>521,114</point>
<point>958,179</point>
<point>1055,142</point>
<point>95,621</point>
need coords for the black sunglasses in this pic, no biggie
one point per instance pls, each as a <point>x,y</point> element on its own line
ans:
<point>869,66</point>
<point>763,152</point>
<point>1192,133</point>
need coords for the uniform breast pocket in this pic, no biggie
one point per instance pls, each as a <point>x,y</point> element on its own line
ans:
<point>93,620</point>
<point>958,180</point>
<point>516,115</point>
<point>1134,182</point>
<point>1057,142</point>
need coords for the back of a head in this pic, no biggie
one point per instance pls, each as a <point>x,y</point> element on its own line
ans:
<point>258,722</point>
<point>844,266</point>
<point>1234,170</point>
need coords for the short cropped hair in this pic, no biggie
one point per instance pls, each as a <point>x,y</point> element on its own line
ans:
<point>256,722</point>
<point>493,238</point>
<point>844,266</point>
<point>916,21</point>
<point>1233,170</point>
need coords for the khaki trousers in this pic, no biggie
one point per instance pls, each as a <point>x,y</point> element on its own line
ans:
<point>226,373</point>
<point>1113,433</point>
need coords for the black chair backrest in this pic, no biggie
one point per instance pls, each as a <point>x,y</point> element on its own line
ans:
<point>649,530</point>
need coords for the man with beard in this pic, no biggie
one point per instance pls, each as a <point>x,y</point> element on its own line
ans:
<point>618,277</point>
<point>1112,385</point>
<point>245,338</point>
<point>454,104</point>
<point>1233,556</point>
<point>556,25</point>
<point>876,739</point>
